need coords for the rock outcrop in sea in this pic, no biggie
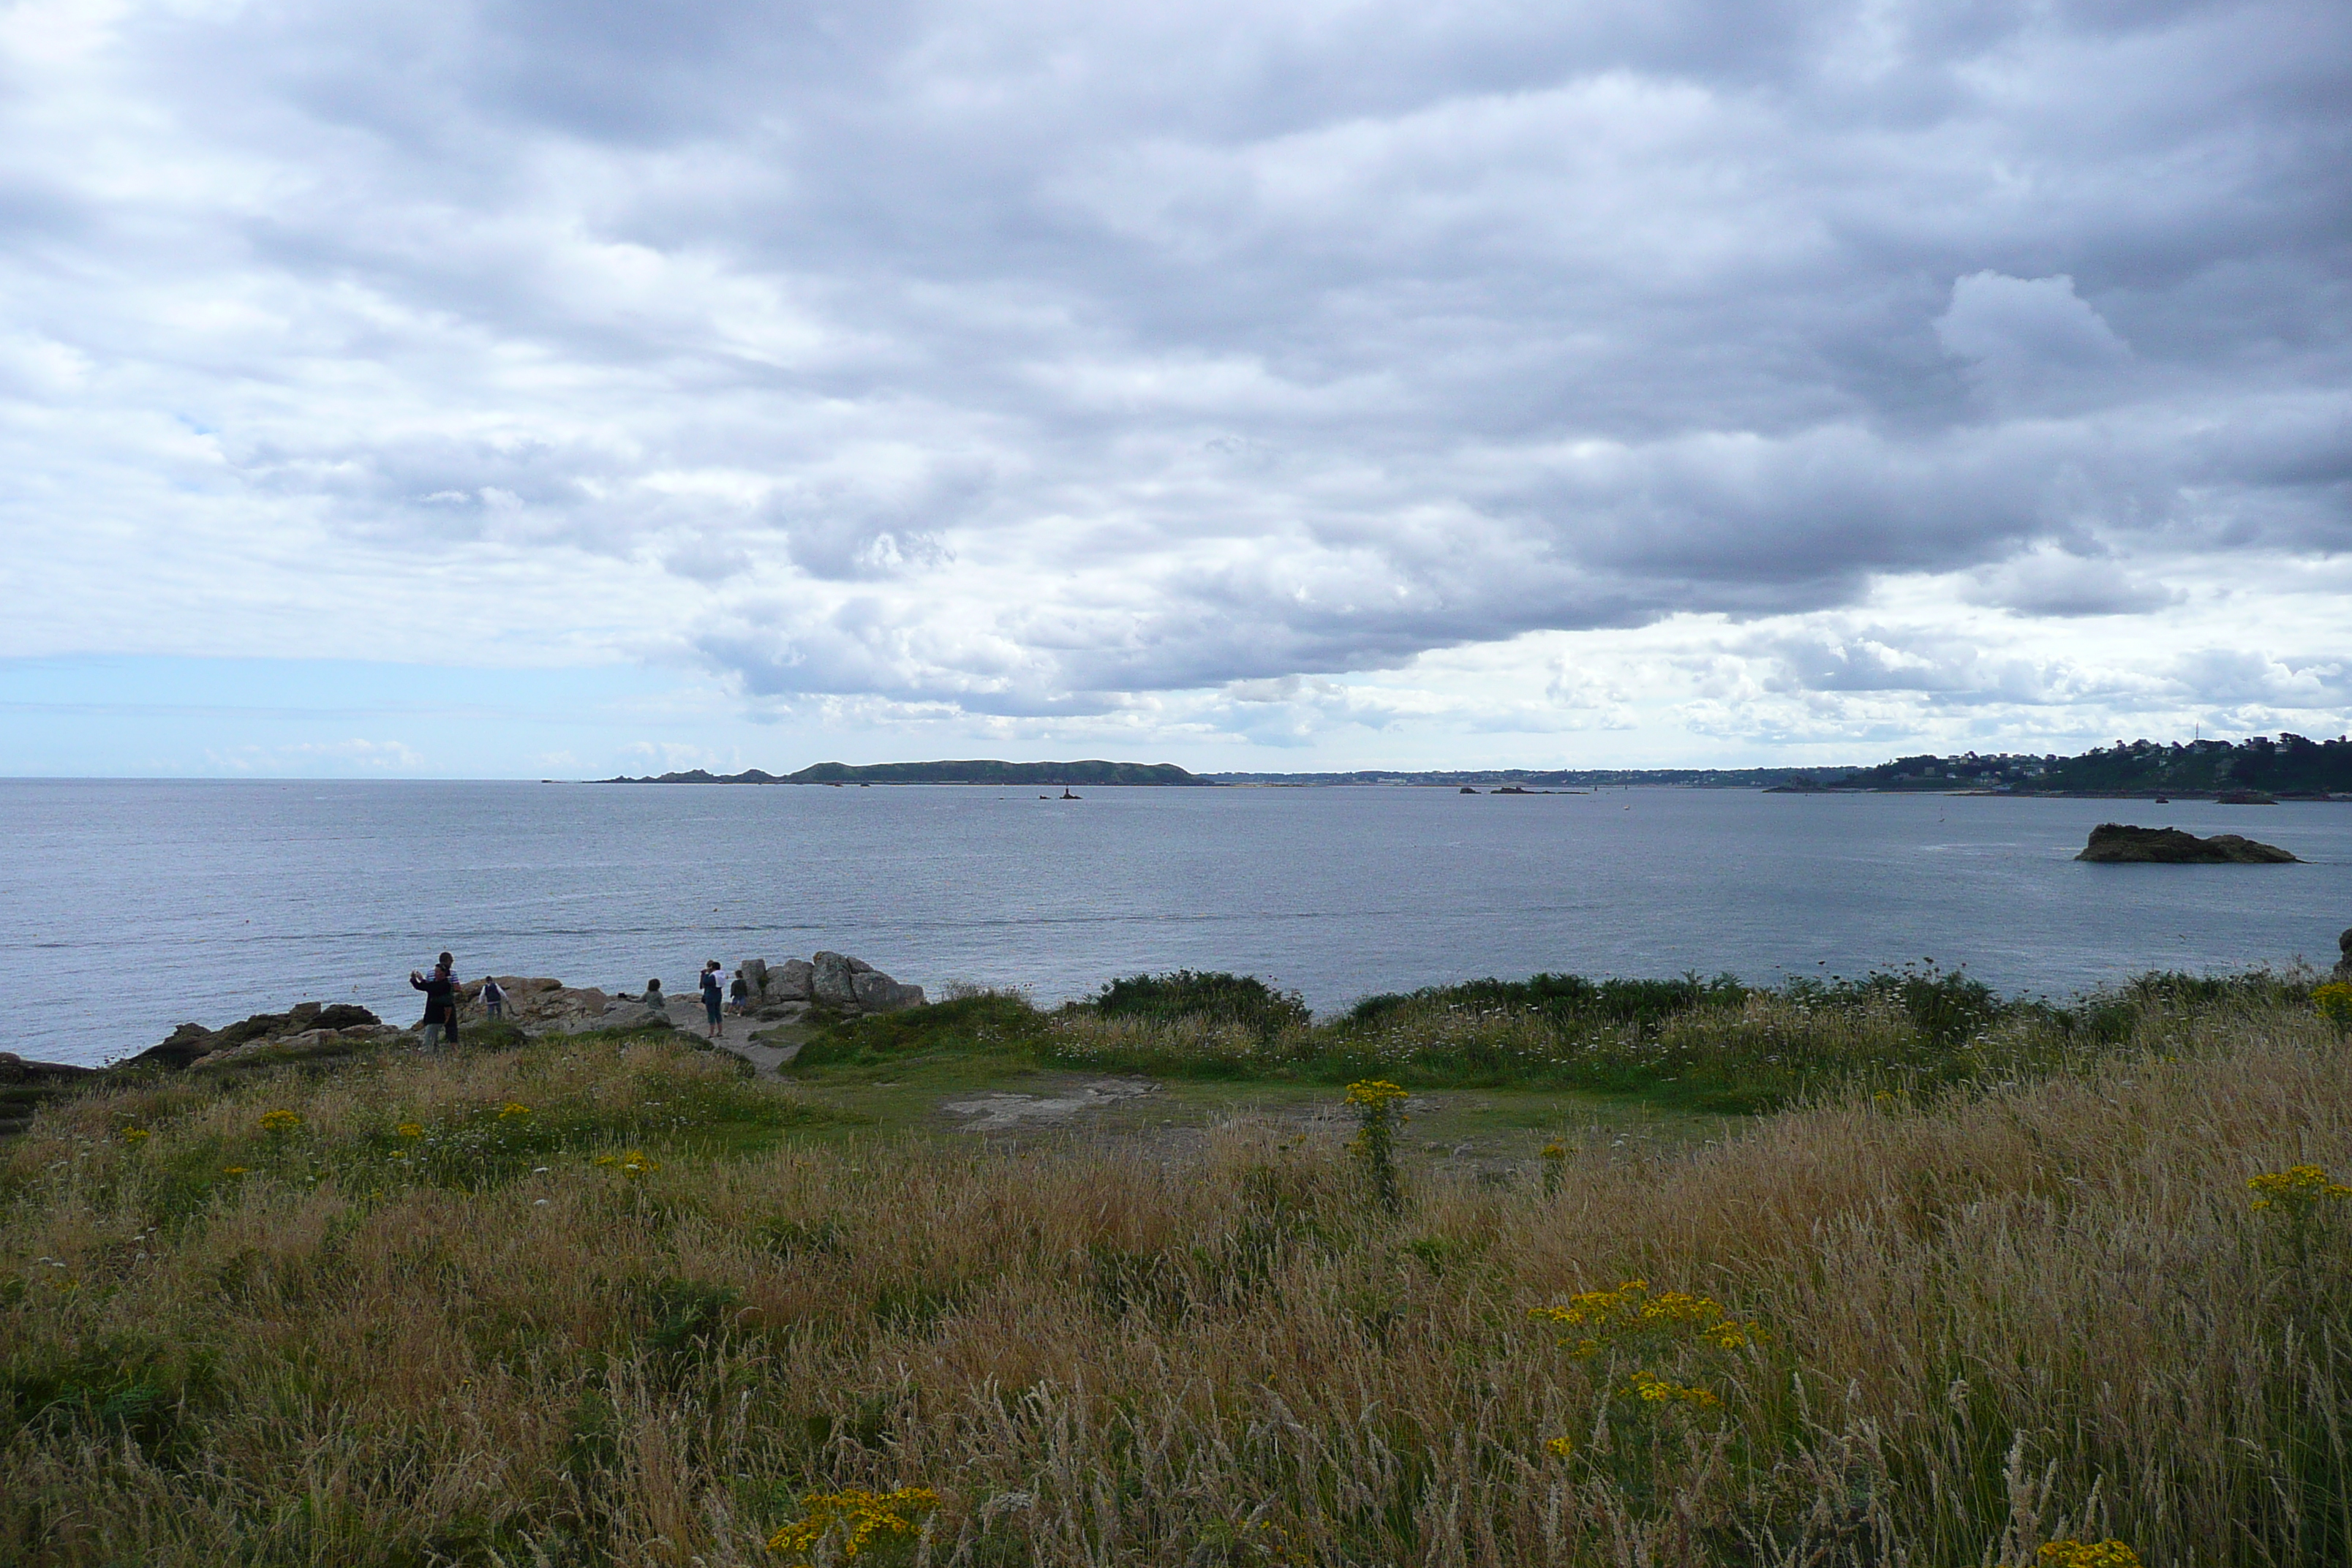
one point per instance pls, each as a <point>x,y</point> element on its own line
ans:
<point>2116,842</point>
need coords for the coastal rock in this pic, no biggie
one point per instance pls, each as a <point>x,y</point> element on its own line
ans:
<point>2344,962</point>
<point>536,1004</point>
<point>784,990</point>
<point>15,1069</point>
<point>794,980</point>
<point>177,1049</point>
<point>193,1043</point>
<point>878,992</point>
<point>832,983</point>
<point>306,1044</point>
<point>2115,843</point>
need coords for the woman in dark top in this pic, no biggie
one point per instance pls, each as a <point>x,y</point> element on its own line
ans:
<point>711,996</point>
<point>440,989</point>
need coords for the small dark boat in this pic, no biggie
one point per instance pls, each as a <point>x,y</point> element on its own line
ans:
<point>1067,795</point>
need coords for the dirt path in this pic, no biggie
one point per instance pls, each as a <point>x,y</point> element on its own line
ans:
<point>686,1016</point>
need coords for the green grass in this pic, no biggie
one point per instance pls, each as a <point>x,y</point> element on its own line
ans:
<point>1692,1045</point>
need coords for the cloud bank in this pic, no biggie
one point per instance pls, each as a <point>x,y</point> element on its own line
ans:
<point>1778,374</point>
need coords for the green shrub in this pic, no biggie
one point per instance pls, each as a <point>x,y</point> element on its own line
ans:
<point>1242,999</point>
<point>983,1021</point>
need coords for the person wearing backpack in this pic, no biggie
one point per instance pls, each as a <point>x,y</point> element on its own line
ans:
<point>494,997</point>
<point>713,995</point>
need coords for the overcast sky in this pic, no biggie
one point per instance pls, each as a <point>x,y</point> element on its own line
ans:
<point>446,388</point>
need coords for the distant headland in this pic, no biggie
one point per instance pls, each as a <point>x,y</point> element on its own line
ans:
<point>982,771</point>
<point>2252,772</point>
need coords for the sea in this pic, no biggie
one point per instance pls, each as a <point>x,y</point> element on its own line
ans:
<point>126,908</point>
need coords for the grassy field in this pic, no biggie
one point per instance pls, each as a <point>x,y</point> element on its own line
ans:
<point>1968,1292</point>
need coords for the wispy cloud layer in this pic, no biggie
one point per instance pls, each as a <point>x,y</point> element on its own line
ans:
<point>1765,375</point>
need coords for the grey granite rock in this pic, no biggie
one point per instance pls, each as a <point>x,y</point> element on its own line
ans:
<point>878,992</point>
<point>793,980</point>
<point>832,983</point>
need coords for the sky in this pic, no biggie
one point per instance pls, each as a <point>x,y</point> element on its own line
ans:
<point>516,389</point>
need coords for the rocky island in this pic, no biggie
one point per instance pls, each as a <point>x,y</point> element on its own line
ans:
<point>2116,842</point>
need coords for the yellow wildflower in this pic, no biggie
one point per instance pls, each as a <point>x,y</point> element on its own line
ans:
<point>2298,1188</point>
<point>1632,1311</point>
<point>2333,1001</point>
<point>858,1515</point>
<point>232,1170</point>
<point>2087,1554</point>
<point>281,1121</point>
<point>632,1164</point>
<point>1652,1389</point>
<point>512,1109</point>
<point>1559,1448</point>
<point>1372,1093</point>
<point>410,1129</point>
<point>1555,1150</point>
<point>135,1135</point>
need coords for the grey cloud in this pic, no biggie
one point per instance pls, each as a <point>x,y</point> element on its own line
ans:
<point>1021,360</point>
<point>2053,583</point>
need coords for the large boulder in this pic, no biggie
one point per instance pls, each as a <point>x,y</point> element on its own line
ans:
<point>878,992</point>
<point>754,972</point>
<point>2116,842</point>
<point>794,980</point>
<point>2344,959</point>
<point>832,982</point>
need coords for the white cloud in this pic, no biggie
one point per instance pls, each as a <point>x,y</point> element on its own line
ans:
<point>1212,375</point>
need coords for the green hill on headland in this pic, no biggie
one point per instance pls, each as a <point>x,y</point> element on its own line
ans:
<point>2289,764</point>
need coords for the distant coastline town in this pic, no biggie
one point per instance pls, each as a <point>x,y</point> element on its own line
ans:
<point>2250,771</point>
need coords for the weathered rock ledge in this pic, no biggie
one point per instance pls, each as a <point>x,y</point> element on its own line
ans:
<point>2115,843</point>
<point>832,983</point>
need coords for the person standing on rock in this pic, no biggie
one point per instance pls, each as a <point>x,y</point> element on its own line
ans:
<point>494,997</point>
<point>440,989</point>
<point>712,997</point>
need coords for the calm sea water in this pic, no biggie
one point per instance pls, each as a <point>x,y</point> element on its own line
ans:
<point>129,907</point>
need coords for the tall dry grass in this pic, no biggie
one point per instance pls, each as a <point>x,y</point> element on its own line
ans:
<point>1987,1322</point>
